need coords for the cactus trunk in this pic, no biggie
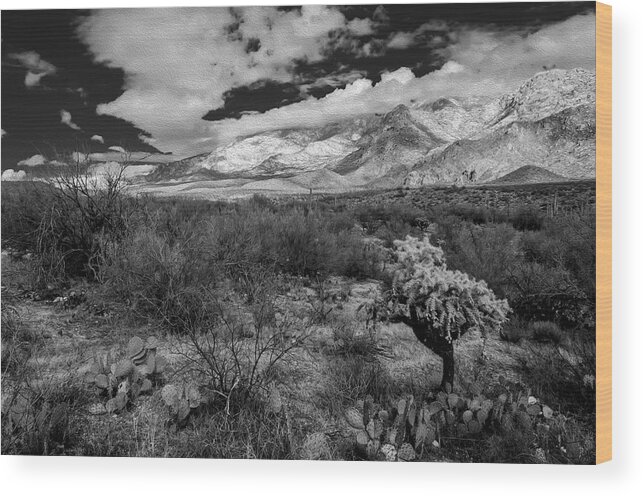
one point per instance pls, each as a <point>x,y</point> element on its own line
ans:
<point>437,344</point>
<point>448,364</point>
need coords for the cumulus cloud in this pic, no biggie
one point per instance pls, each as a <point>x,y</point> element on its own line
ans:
<point>37,68</point>
<point>178,71</point>
<point>33,161</point>
<point>98,138</point>
<point>427,34</point>
<point>401,40</point>
<point>11,175</point>
<point>479,63</point>
<point>2,132</point>
<point>65,118</point>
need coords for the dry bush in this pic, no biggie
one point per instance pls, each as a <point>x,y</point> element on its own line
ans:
<point>546,332</point>
<point>234,347</point>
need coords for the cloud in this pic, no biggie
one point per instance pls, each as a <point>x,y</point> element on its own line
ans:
<point>11,175</point>
<point>98,138</point>
<point>400,41</point>
<point>65,118</point>
<point>427,34</point>
<point>33,161</point>
<point>177,71</point>
<point>37,67</point>
<point>3,132</point>
<point>480,63</point>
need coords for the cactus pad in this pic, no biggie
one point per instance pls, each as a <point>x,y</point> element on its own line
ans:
<point>183,410</point>
<point>462,430</point>
<point>193,396</point>
<point>406,453</point>
<point>362,439</point>
<point>135,346</point>
<point>151,343</point>
<point>435,407</point>
<point>389,453</point>
<point>170,395</point>
<point>123,368</point>
<point>160,365</point>
<point>533,410</point>
<point>110,406</point>
<point>120,400</point>
<point>146,386</point>
<point>101,381</point>
<point>372,447</point>
<point>354,418</point>
<point>467,416</point>
<point>474,427</point>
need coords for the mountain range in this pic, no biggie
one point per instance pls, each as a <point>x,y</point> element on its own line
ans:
<point>547,124</point>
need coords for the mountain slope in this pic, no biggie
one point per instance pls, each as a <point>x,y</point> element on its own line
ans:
<point>549,122</point>
<point>529,174</point>
<point>396,143</point>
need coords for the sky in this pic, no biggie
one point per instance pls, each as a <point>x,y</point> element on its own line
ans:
<point>186,80</point>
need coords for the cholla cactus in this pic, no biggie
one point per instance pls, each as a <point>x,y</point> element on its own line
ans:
<point>439,304</point>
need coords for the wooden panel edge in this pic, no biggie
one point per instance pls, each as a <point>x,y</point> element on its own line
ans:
<point>603,232</point>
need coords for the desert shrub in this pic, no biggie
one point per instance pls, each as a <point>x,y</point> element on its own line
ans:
<point>484,252</point>
<point>563,375</point>
<point>254,431</point>
<point>295,241</point>
<point>471,213</point>
<point>356,376</point>
<point>515,330</point>
<point>389,219</point>
<point>545,293</point>
<point>18,339</point>
<point>23,207</point>
<point>545,332</point>
<point>67,223</point>
<point>527,218</point>
<point>37,415</point>
<point>235,348</point>
<point>348,341</point>
<point>157,276</point>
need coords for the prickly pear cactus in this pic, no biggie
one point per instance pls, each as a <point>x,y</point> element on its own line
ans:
<point>123,381</point>
<point>406,430</point>
<point>181,401</point>
<point>394,434</point>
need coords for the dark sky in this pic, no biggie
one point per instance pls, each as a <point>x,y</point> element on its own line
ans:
<point>65,77</point>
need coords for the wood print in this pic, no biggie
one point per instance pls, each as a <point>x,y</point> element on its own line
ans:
<point>348,233</point>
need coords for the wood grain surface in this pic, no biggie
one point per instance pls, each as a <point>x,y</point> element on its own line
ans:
<point>603,232</point>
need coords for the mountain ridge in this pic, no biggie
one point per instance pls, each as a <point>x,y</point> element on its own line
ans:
<point>549,122</point>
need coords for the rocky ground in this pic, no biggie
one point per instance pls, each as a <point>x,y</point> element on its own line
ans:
<point>66,339</point>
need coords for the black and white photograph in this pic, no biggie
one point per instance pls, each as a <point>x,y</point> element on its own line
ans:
<point>326,233</point>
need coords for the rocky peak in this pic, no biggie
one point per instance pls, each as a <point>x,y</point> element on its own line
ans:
<point>550,92</point>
